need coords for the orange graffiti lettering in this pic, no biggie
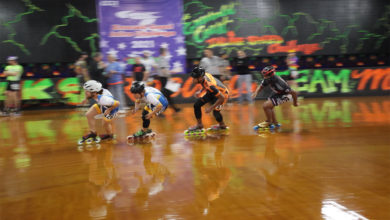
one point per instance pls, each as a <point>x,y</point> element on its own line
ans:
<point>292,45</point>
<point>375,76</point>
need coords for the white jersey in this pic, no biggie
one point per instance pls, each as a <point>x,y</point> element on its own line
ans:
<point>153,97</point>
<point>106,99</point>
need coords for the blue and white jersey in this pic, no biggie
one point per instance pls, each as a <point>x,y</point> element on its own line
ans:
<point>153,97</point>
<point>106,99</point>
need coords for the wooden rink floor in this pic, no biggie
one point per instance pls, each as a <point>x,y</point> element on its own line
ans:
<point>331,160</point>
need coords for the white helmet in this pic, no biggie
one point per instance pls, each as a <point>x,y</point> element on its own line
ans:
<point>92,86</point>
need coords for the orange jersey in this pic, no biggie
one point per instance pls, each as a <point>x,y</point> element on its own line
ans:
<point>213,85</point>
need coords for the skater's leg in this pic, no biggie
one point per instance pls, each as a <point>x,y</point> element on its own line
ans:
<point>145,121</point>
<point>268,108</point>
<point>219,118</point>
<point>198,111</point>
<point>108,127</point>
<point>273,121</point>
<point>91,113</point>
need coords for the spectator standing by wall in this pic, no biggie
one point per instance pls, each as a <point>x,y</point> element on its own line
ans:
<point>96,69</point>
<point>292,63</point>
<point>139,71</point>
<point>211,63</point>
<point>224,66</point>
<point>114,72</point>
<point>14,72</point>
<point>149,63</point>
<point>81,68</point>
<point>163,75</point>
<point>244,77</point>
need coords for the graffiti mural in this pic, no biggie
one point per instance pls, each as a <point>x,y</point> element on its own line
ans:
<point>277,27</point>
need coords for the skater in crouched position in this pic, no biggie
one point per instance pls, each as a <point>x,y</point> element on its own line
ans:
<point>281,93</point>
<point>214,92</point>
<point>105,104</point>
<point>155,101</point>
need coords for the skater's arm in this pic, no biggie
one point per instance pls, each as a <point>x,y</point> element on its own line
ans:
<point>219,101</point>
<point>108,110</point>
<point>295,97</point>
<point>154,112</point>
<point>136,105</point>
<point>258,89</point>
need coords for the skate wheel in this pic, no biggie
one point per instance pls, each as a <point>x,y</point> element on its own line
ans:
<point>256,127</point>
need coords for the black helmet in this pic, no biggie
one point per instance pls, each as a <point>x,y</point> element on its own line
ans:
<point>137,87</point>
<point>197,72</point>
<point>268,71</point>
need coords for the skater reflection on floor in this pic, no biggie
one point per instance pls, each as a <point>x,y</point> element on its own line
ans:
<point>274,168</point>
<point>104,186</point>
<point>153,183</point>
<point>212,177</point>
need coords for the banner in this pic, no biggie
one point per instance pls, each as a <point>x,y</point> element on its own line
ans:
<point>130,27</point>
<point>311,83</point>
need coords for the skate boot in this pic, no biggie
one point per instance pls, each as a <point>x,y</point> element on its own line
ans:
<point>262,125</point>
<point>218,128</point>
<point>89,138</point>
<point>106,137</point>
<point>141,134</point>
<point>274,126</point>
<point>195,130</point>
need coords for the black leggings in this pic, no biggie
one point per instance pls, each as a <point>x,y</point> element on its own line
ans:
<point>201,102</point>
<point>145,122</point>
<point>166,92</point>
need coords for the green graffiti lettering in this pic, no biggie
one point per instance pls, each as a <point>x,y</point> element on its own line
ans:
<point>202,33</point>
<point>303,80</point>
<point>318,79</point>
<point>36,89</point>
<point>283,73</point>
<point>70,89</point>
<point>3,86</point>
<point>342,77</point>
<point>225,10</point>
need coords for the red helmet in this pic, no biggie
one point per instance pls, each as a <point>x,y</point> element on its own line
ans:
<point>268,71</point>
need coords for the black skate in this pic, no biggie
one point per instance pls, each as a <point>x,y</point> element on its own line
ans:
<point>89,139</point>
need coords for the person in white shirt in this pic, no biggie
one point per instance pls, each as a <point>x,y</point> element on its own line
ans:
<point>105,105</point>
<point>155,103</point>
<point>148,62</point>
<point>211,63</point>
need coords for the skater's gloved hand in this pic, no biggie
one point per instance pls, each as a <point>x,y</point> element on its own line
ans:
<point>197,94</point>
<point>208,109</point>
<point>107,112</point>
<point>254,95</point>
<point>149,116</point>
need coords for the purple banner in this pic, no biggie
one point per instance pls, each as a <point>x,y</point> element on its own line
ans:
<point>130,27</point>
